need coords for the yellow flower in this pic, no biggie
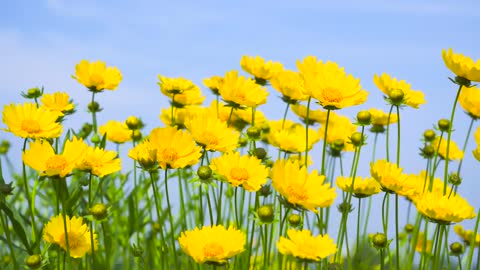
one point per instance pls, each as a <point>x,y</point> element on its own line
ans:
<point>380,118</point>
<point>242,91</point>
<point>423,246</point>
<point>303,245</point>
<point>100,162</point>
<point>175,148</point>
<point>78,234</point>
<point>340,128</point>
<point>246,116</point>
<point>257,67</point>
<point>388,84</point>
<point>300,159</point>
<point>330,85</point>
<point>246,171</point>
<point>314,116</point>
<point>362,187</point>
<point>454,153</point>
<point>96,76</point>
<point>463,66</point>
<point>422,185</point>
<point>466,235</point>
<point>214,83</point>
<point>476,152</point>
<point>116,131</point>
<point>391,178</point>
<point>212,244</point>
<point>28,121</point>
<point>275,127</point>
<point>299,187</point>
<point>444,209</point>
<point>211,133</point>
<point>180,114</point>
<point>180,90</point>
<point>145,154</point>
<point>42,158</point>
<point>57,102</point>
<point>292,140</point>
<point>290,84</point>
<point>470,100</point>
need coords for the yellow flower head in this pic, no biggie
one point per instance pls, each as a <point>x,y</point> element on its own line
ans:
<point>388,84</point>
<point>275,126</point>
<point>211,133</point>
<point>145,154</point>
<point>380,118</point>
<point>116,131</point>
<point>246,116</point>
<point>454,152</point>
<point>391,178</point>
<point>470,100</point>
<point>29,121</point>
<point>300,159</point>
<point>362,187</point>
<point>421,182</point>
<point>292,140</point>
<point>466,235</point>
<point>212,244</point>
<point>257,67</point>
<point>463,66</point>
<point>340,128</point>
<point>214,83</point>
<point>78,234</point>
<point>246,171</point>
<point>423,246</point>
<point>180,90</point>
<point>330,85</point>
<point>57,102</point>
<point>242,91</point>
<point>314,116</point>
<point>290,84</point>
<point>476,152</point>
<point>96,76</point>
<point>444,209</point>
<point>303,245</point>
<point>299,187</point>
<point>179,114</point>
<point>42,158</point>
<point>100,162</point>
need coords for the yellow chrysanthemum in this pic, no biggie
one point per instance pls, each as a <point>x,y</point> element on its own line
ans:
<point>180,115</point>
<point>257,67</point>
<point>246,171</point>
<point>388,84</point>
<point>29,121</point>
<point>422,185</point>
<point>469,99</point>
<point>362,187</point>
<point>380,118</point>
<point>214,83</point>
<point>340,128</point>
<point>116,131</point>
<point>314,116</point>
<point>444,209</point>
<point>211,133</point>
<point>275,126</point>
<point>391,178</point>
<point>100,162</point>
<point>42,158</point>
<point>180,90</point>
<point>96,76</point>
<point>292,140</point>
<point>212,244</point>
<point>57,102</point>
<point>303,245</point>
<point>423,246</point>
<point>463,66</point>
<point>242,91</point>
<point>300,159</point>
<point>290,84</point>
<point>466,235</point>
<point>246,116</point>
<point>78,234</point>
<point>145,154</point>
<point>454,153</point>
<point>330,85</point>
<point>299,187</point>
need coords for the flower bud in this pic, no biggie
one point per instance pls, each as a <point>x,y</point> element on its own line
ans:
<point>265,213</point>
<point>87,129</point>
<point>345,207</point>
<point>137,251</point>
<point>429,135</point>
<point>443,125</point>
<point>6,260</point>
<point>95,139</point>
<point>457,248</point>
<point>4,147</point>
<point>265,190</point>
<point>338,144</point>
<point>427,151</point>
<point>454,179</point>
<point>33,93</point>
<point>396,96</point>
<point>253,133</point>
<point>265,127</point>
<point>364,117</point>
<point>33,261</point>
<point>136,135</point>
<point>269,163</point>
<point>94,107</point>
<point>156,227</point>
<point>260,153</point>
<point>379,240</point>
<point>242,141</point>
<point>99,211</point>
<point>133,123</point>
<point>357,139</point>
<point>204,172</point>
<point>294,220</point>
<point>377,128</point>
<point>409,228</point>
<point>6,189</point>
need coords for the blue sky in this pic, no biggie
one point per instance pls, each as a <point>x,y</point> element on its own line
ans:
<point>41,41</point>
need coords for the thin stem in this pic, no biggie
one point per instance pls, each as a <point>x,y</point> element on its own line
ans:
<point>90,202</point>
<point>472,241</point>
<point>398,135</point>
<point>307,121</point>
<point>94,114</point>
<point>388,134</point>
<point>465,145</point>
<point>170,217</point>
<point>397,244</point>
<point>449,137</point>
<point>157,206</point>
<point>358,225</point>
<point>27,195</point>
<point>9,240</point>
<point>324,148</point>
<point>209,207</point>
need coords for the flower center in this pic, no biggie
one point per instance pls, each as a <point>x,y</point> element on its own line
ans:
<point>30,126</point>
<point>74,240</point>
<point>210,138</point>
<point>297,193</point>
<point>331,95</point>
<point>212,250</point>
<point>56,163</point>
<point>239,174</point>
<point>168,155</point>
<point>96,80</point>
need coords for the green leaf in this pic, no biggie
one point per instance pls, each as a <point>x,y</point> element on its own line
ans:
<point>17,227</point>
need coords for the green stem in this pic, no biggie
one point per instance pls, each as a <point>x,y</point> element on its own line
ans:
<point>219,205</point>
<point>398,136</point>
<point>472,241</point>
<point>94,114</point>
<point>172,113</point>
<point>209,203</point>
<point>358,226</point>
<point>388,134</point>
<point>397,244</point>
<point>9,240</point>
<point>324,148</point>
<point>465,144</point>
<point>307,121</point>
<point>157,208</point>
<point>90,202</point>
<point>170,217</point>
<point>27,195</point>
<point>449,137</point>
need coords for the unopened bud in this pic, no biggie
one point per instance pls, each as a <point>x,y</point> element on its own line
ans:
<point>409,228</point>
<point>357,139</point>
<point>204,172</point>
<point>396,96</point>
<point>294,220</point>
<point>364,117</point>
<point>253,133</point>
<point>444,125</point>
<point>457,248</point>
<point>265,190</point>
<point>379,240</point>
<point>265,213</point>
<point>33,261</point>
<point>260,153</point>
<point>454,179</point>
<point>94,107</point>
<point>133,123</point>
<point>429,135</point>
<point>99,211</point>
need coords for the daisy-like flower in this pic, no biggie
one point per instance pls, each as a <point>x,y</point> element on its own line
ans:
<point>466,235</point>
<point>299,187</point>
<point>79,238</point>
<point>261,70</point>
<point>476,152</point>
<point>212,244</point>
<point>340,128</point>
<point>179,114</point>
<point>362,187</point>
<point>175,148</point>
<point>57,102</point>
<point>240,91</point>
<point>42,158</point>
<point>423,246</point>
<point>463,66</point>
<point>246,116</point>
<point>454,153</point>
<point>290,84</point>
<point>292,140</point>
<point>422,185</point>
<point>145,154</point>
<point>246,171</point>
<point>116,131</point>
<point>214,83</point>
<point>275,126</point>
<point>96,76</point>
<point>444,209</point>
<point>180,90</point>
<point>29,121</point>
<point>470,101</point>
<point>314,116</point>
<point>330,85</point>
<point>211,133</point>
<point>303,245</point>
<point>379,119</point>
<point>100,162</point>
<point>390,87</point>
<point>391,178</point>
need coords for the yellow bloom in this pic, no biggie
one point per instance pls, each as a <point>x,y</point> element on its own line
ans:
<point>454,153</point>
<point>340,128</point>
<point>275,127</point>
<point>470,100</point>
<point>28,121</point>
<point>42,158</point>
<point>300,159</point>
<point>175,148</point>
<point>466,235</point>
<point>476,152</point>
<point>180,114</point>
<point>78,234</point>
<point>380,118</point>
<point>212,244</point>
<point>303,245</point>
<point>388,84</point>
<point>100,162</point>
<point>211,133</point>
<point>96,76</point>
<point>57,102</point>
<point>314,116</point>
<point>290,84</point>
<point>257,67</point>
<point>330,85</point>
<point>145,154</point>
<point>299,187</point>
<point>391,178</point>
<point>444,208</point>
<point>246,116</point>
<point>422,185</point>
<point>292,140</point>
<point>116,131</point>
<point>423,246</point>
<point>463,66</point>
<point>180,90</point>
<point>214,83</point>
<point>246,171</point>
<point>362,187</point>
<point>242,91</point>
